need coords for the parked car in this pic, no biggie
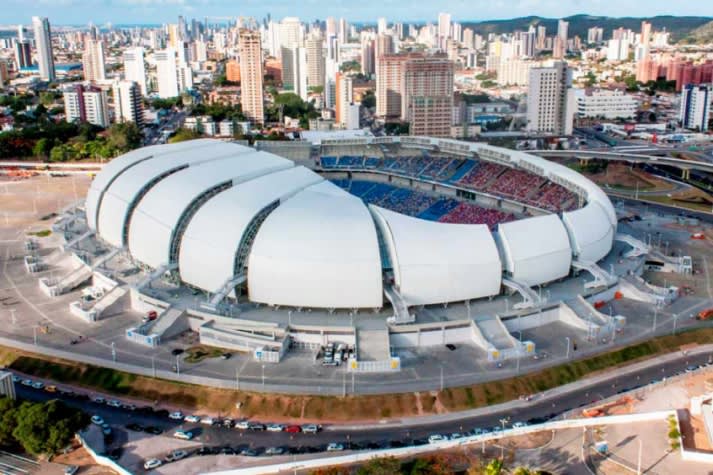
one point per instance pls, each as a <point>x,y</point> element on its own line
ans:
<point>335,447</point>
<point>113,403</point>
<point>176,416</point>
<point>192,418</point>
<point>435,438</point>
<point>242,425</point>
<point>209,421</point>
<point>71,470</point>
<point>183,434</point>
<point>274,451</point>
<point>275,428</point>
<point>227,423</point>
<point>26,382</point>
<point>310,428</point>
<point>99,400</point>
<point>176,455</point>
<point>38,385</point>
<point>293,429</point>
<point>51,388</point>
<point>249,452</point>
<point>96,419</point>
<point>135,427</point>
<point>152,463</point>
<point>256,426</point>
<point>153,430</point>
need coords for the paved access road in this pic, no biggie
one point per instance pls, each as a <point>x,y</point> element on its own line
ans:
<point>394,433</point>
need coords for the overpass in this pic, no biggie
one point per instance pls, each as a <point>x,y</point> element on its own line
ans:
<point>43,167</point>
<point>684,165</point>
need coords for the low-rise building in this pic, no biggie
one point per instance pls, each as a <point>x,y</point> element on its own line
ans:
<point>606,104</point>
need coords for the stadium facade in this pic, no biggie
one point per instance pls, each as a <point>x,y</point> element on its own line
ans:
<point>228,219</point>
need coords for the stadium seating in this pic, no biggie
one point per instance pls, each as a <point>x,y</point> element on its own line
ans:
<point>468,213</point>
<point>516,184</point>
<point>480,176</point>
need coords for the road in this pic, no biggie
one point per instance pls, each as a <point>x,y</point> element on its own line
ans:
<point>392,434</point>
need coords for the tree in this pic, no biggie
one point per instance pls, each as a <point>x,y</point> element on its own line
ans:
<point>123,137</point>
<point>350,66</point>
<point>63,153</point>
<point>8,421</point>
<point>43,147</point>
<point>368,100</point>
<point>48,427</point>
<point>495,467</point>
<point>380,466</point>
<point>183,134</point>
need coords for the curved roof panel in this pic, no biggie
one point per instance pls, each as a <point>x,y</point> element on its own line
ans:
<point>212,237</point>
<point>318,249</point>
<point>117,166</point>
<point>158,213</point>
<point>128,187</point>
<point>463,265</point>
<point>535,250</point>
<point>590,233</point>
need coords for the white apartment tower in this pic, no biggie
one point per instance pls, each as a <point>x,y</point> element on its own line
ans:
<point>551,100</point>
<point>173,76</point>
<point>696,106</point>
<point>134,69</point>
<point>86,105</point>
<point>315,61</point>
<point>128,106</point>
<point>43,43</point>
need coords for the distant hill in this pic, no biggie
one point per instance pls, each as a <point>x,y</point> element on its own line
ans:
<point>679,26</point>
<point>702,34</point>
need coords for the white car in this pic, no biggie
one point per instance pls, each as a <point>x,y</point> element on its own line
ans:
<point>310,429</point>
<point>38,385</point>
<point>176,455</point>
<point>209,421</point>
<point>192,418</point>
<point>244,425</point>
<point>183,434</point>
<point>519,425</point>
<point>26,382</point>
<point>275,427</point>
<point>435,438</point>
<point>98,400</point>
<point>274,451</point>
<point>176,416</point>
<point>455,435</point>
<point>97,420</point>
<point>113,403</point>
<point>152,463</point>
<point>335,447</point>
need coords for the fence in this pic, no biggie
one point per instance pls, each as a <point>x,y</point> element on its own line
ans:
<point>362,457</point>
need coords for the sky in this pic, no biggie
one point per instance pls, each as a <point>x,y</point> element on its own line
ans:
<point>100,12</point>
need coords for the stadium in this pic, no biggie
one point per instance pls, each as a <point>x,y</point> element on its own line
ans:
<point>230,239</point>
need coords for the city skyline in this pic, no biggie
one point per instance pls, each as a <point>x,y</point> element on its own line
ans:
<point>78,12</point>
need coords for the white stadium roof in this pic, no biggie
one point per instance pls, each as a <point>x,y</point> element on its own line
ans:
<point>535,250</point>
<point>436,262</point>
<point>318,249</point>
<point>308,243</point>
<point>159,211</point>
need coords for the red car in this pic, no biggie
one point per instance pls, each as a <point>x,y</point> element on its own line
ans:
<point>293,429</point>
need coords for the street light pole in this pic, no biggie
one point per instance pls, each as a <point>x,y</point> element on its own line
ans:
<point>441,378</point>
<point>178,367</point>
<point>569,343</point>
<point>34,334</point>
<point>263,375</point>
<point>675,320</point>
<point>113,352</point>
<point>656,309</point>
<point>153,365</point>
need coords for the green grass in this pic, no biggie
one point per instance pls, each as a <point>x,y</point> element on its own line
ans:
<point>197,354</point>
<point>43,233</point>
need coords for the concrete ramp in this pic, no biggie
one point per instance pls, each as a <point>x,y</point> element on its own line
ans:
<point>373,345</point>
<point>110,303</point>
<point>495,333</point>
<point>168,323</point>
<point>401,313</point>
<point>530,297</point>
<point>602,278</point>
<point>578,315</point>
<point>638,248</point>
<point>74,279</point>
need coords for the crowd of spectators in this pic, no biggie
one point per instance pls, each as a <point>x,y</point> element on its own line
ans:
<point>489,177</point>
<point>467,213</point>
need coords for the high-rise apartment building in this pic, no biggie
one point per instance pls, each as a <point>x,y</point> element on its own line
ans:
<point>93,60</point>
<point>251,76</point>
<point>444,28</point>
<point>551,100</point>
<point>232,71</point>
<point>128,105</point>
<point>427,95</point>
<point>173,76</point>
<point>384,44</point>
<point>315,61</point>
<point>381,25</point>
<point>696,105</point>
<point>134,69</point>
<point>368,56</point>
<point>294,71</point>
<point>389,69</point>
<point>344,95</point>
<point>43,43</point>
<point>23,54</point>
<point>86,105</point>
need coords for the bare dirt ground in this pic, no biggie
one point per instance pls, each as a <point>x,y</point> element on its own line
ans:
<point>620,175</point>
<point>81,458</point>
